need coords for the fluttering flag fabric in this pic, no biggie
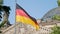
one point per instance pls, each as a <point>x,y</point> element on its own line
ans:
<point>23,17</point>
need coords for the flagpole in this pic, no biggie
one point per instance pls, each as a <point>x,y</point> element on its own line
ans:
<point>15,16</point>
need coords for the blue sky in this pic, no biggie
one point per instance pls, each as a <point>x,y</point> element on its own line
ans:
<point>35,8</point>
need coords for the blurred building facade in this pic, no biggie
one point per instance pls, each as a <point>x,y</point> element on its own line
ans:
<point>45,23</point>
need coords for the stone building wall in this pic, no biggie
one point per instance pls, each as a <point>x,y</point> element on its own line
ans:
<point>25,30</point>
<point>28,29</point>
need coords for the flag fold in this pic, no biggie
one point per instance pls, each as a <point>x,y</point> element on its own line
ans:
<point>23,17</point>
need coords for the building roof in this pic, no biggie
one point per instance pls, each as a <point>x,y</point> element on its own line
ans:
<point>54,11</point>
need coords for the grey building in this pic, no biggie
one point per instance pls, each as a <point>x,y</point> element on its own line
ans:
<point>51,13</point>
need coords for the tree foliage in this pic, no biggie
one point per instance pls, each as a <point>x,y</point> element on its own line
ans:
<point>56,17</point>
<point>58,2</point>
<point>1,2</point>
<point>56,30</point>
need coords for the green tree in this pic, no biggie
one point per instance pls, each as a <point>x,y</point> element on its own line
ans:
<point>55,30</point>
<point>1,2</point>
<point>56,17</point>
<point>58,2</point>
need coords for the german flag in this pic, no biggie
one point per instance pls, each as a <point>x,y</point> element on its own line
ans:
<point>23,17</point>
